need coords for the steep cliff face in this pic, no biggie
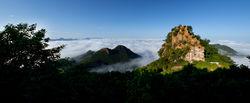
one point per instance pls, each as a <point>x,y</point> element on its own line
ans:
<point>181,43</point>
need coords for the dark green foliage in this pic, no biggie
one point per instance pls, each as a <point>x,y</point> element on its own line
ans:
<point>190,30</point>
<point>27,68</point>
<point>23,47</point>
<point>92,87</point>
<point>191,85</point>
<point>156,66</point>
<point>173,55</point>
<point>144,86</point>
<point>64,64</point>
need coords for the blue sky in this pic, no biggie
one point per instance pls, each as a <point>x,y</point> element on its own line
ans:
<point>212,19</point>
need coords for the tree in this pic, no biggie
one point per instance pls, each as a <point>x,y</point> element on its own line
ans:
<point>27,66</point>
<point>23,48</point>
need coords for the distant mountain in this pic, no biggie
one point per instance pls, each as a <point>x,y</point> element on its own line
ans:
<point>248,57</point>
<point>63,39</point>
<point>106,56</point>
<point>89,38</point>
<point>225,50</point>
<point>71,39</point>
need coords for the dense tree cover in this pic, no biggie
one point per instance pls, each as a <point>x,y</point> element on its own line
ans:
<point>26,65</point>
<point>143,86</point>
<point>175,55</point>
<point>23,47</point>
<point>53,80</point>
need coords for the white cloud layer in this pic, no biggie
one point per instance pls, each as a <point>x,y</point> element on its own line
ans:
<point>147,48</point>
<point>241,47</point>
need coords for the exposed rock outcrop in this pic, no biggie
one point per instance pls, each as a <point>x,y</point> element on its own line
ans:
<point>182,39</point>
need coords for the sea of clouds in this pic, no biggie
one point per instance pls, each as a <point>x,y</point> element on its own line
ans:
<point>243,48</point>
<point>147,48</point>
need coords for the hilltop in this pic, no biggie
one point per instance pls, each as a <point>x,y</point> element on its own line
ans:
<point>106,56</point>
<point>226,50</point>
<point>183,47</point>
<point>183,41</point>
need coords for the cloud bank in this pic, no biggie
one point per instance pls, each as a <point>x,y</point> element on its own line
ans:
<point>242,47</point>
<point>147,48</point>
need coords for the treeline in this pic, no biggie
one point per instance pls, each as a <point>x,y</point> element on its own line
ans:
<point>31,73</point>
<point>77,85</point>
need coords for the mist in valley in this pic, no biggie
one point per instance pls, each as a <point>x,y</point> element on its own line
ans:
<point>147,48</point>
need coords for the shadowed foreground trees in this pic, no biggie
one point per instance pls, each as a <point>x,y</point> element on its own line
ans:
<point>188,85</point>
<point>23,47</point>
<point>31,73</point>
<point>25,62</point>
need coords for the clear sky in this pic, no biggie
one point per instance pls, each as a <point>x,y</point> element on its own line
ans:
<point>212,19</point>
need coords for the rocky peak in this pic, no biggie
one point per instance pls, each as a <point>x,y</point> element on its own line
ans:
<point>182,39</point>
<point>120,47</point>
<point>105,50</point>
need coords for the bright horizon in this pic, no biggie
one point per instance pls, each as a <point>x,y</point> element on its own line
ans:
<point>137,19</point>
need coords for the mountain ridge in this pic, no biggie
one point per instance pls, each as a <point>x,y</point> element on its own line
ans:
<point>106,56</point>
<point>226,50</point>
